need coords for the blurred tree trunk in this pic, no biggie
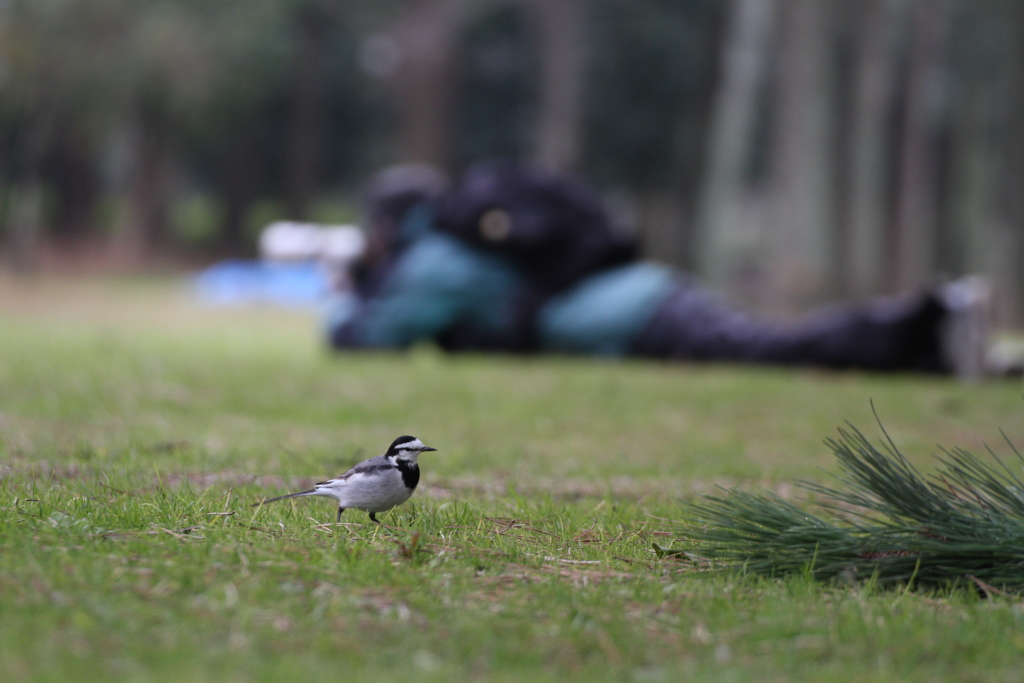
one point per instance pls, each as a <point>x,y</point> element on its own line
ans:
<point>802,219</point>
<point>76,185</point>
<point>5,196</point>
<point>424,84</point>
<point>25,196</point>
<point>725,235</point>
<point>669,214</point>
<point>868,262</point>
<point>560,26</point>
<point>975,157</point>
<point>238,170</point>
<point>149,195</point>
<point>308,115</point>
<point>24,226</point>
<point>663,224</point>
<point>918,181</point>
<point>1008,247</point>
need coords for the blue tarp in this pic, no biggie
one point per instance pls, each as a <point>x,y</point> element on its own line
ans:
<point>237,282</point>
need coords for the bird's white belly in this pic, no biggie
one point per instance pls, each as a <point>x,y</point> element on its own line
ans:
<point>374,493</point>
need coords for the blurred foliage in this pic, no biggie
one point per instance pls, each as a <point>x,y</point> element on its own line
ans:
<point>498,87</point>
<point>197,121</point>
<point>195,220</point>
<point>86,85</point>
<point>654,66</point>
<point>82,82</point>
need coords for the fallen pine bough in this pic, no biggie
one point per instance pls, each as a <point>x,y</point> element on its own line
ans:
<point>884,522</point>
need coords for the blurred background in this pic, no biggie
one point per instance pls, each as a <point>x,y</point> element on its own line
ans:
<point>792,152</point>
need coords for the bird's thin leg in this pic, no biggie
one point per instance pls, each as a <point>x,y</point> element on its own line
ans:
<point>340,510</point>
<point>373,518</point>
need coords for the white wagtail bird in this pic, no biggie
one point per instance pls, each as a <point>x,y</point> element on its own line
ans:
<point>374,485</point>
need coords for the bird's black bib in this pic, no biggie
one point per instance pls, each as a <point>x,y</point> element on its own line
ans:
<point>410,472</point>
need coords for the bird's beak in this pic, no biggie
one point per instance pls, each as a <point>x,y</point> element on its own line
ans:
<point>427,448</point>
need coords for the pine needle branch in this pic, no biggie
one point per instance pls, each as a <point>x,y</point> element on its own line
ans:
<point>888,522</point>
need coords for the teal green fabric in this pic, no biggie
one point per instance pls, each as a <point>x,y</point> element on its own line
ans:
<point>437,282</point>
<point>605,313</point>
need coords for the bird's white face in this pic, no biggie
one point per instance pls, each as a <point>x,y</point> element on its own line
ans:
<point>410,450</point>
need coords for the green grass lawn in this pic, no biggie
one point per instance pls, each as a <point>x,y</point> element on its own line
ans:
<point>136,430</point>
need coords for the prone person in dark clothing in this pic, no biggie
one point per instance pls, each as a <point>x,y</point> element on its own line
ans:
<point>514,259</point>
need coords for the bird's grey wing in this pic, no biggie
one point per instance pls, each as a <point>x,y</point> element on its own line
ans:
<point>373,484</point>
<point>372,465</point>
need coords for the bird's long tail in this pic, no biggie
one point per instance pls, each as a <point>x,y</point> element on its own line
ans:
<point>307,492</point>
